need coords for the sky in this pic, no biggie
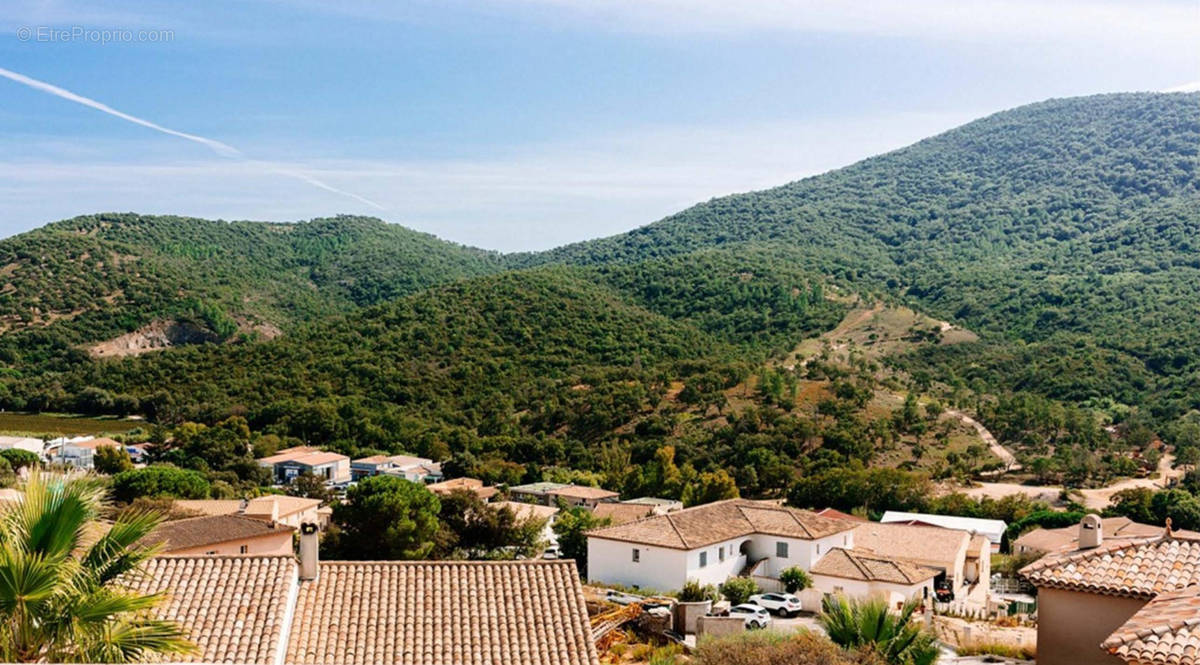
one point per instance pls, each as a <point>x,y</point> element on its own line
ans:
<point>520,124</point>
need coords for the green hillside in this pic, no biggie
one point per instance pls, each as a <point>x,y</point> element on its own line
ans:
<point>1065,232</point>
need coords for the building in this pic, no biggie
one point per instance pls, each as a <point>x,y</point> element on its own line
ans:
<point>581,495</point>
<point>661,506</point>
<point>528,511</point>
<point>837,514</point>
<point>963,560</point>
<point>534,492</point>
<point>1066,539</point>
<point>464,484</point>
<point>852,573</point>
<point>219,535</point>
<point>415,469</point>
<point>80,453</point>
<point>275,610</point>
<point>35,446</point>
<point>712,543</point>
<point>1129,601</point>
<point>332,467</point>
<point>287,510</point>
<point>622,513</point>
<point>993,530</point>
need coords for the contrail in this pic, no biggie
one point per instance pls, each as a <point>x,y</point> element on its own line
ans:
<point>222,149</point>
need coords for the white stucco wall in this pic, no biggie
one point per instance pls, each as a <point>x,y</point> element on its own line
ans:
<point>717,571</point>
<point>892,592</point>
<point>658,568</point>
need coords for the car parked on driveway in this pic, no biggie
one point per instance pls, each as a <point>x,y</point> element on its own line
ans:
<point>756,617</point>
<point>783,604</point>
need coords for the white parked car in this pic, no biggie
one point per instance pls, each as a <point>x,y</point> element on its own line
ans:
<point>756,617</point>
<point>783,604</point>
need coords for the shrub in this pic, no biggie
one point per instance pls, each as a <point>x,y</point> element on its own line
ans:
<point>795,579</point>
<point>869,626</point>
<point>19,459</point>
<point>112,460</point>
<point>770,648</point>
<point>997,649</point>
<point>738,590</point>
<point>694,592</point>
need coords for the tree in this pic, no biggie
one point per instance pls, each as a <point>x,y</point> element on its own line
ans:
<point>738,590</point>
<point>795,579</point>
<point>159,480</point>
<point>112,460</point>
<point>870,624</point>
<point>478,530</point>
<point>60,600</point>
<point>571,526</point>
<point>309,486</point>
<point>385,517</point>
<point>710,486</point>
<point>19,459</point>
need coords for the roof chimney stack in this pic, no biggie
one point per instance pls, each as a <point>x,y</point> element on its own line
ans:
<point>1091,532</point>
<point>310,547</point>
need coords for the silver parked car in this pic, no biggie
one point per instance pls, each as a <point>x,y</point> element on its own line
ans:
<point>756,617</point>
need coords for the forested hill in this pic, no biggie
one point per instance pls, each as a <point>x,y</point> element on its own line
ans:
<point>95,277</point>
<point>1069,227</point>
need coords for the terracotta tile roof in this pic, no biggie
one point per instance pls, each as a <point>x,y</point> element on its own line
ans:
<point>837,514</point>
<point>405,461</point>
<point>210,506</point>
<point>583,492</point>
<point>313,459</point>
<point>924,544</point>
<point>232,608</point>
<point>716,522</point>
<point>287,505</point>
<point>469,484</point>
<point>288,454</point>
<point>622,513</point>
<point>1166,631</point>
<point>1137,569</point>
<point>525,511</point>
<point>98,442</point>
<point>1067,538</point>
<point>442,613</point>
<point>852,565</point>
<point>210,530</point>
<point>374,459</point>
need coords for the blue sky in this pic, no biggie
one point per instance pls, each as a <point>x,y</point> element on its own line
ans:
<point>524,124</point>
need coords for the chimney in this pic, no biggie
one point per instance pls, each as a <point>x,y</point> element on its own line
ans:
<point>1091,532</point>
<point>310,557</point>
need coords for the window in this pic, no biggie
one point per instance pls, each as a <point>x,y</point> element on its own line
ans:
<point>845,540</point>
<point>703,559</point>
<point>244,549</point>
<point>818,549</point>
<point>781,550</point>
<point>637,555</point>
<point>721,553</point>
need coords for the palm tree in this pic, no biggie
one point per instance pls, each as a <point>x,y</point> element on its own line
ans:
<point>870,625</point>
<point>60,594</point>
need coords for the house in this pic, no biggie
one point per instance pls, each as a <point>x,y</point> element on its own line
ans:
<point>581,495</point>
<point>528,511</point>
<point>711,543</point>
<point>962,559</point>
<point>661,506</point>
<point>333,467</point>
<point>35,446</point>
<point>464,484</point>
<point>277,610</point>
<point>286,454</point>
<point>1049,541</point>
<point>287,510</point>
<point>80,453</point>
<point>993,530</point>
<point>622,513</point>
<point>211,535</point>
<point>1129,601</point>
<point>415,469</point>
<point>854,573</point>
<point>534,492</point>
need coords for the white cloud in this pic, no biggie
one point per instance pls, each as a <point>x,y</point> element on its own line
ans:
<point>1193,86</point>
<point>536,198</point>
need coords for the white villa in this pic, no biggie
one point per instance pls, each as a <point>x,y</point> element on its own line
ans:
<point>716,541</point>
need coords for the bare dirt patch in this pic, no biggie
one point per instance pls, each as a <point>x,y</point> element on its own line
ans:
<point>154,336</point>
